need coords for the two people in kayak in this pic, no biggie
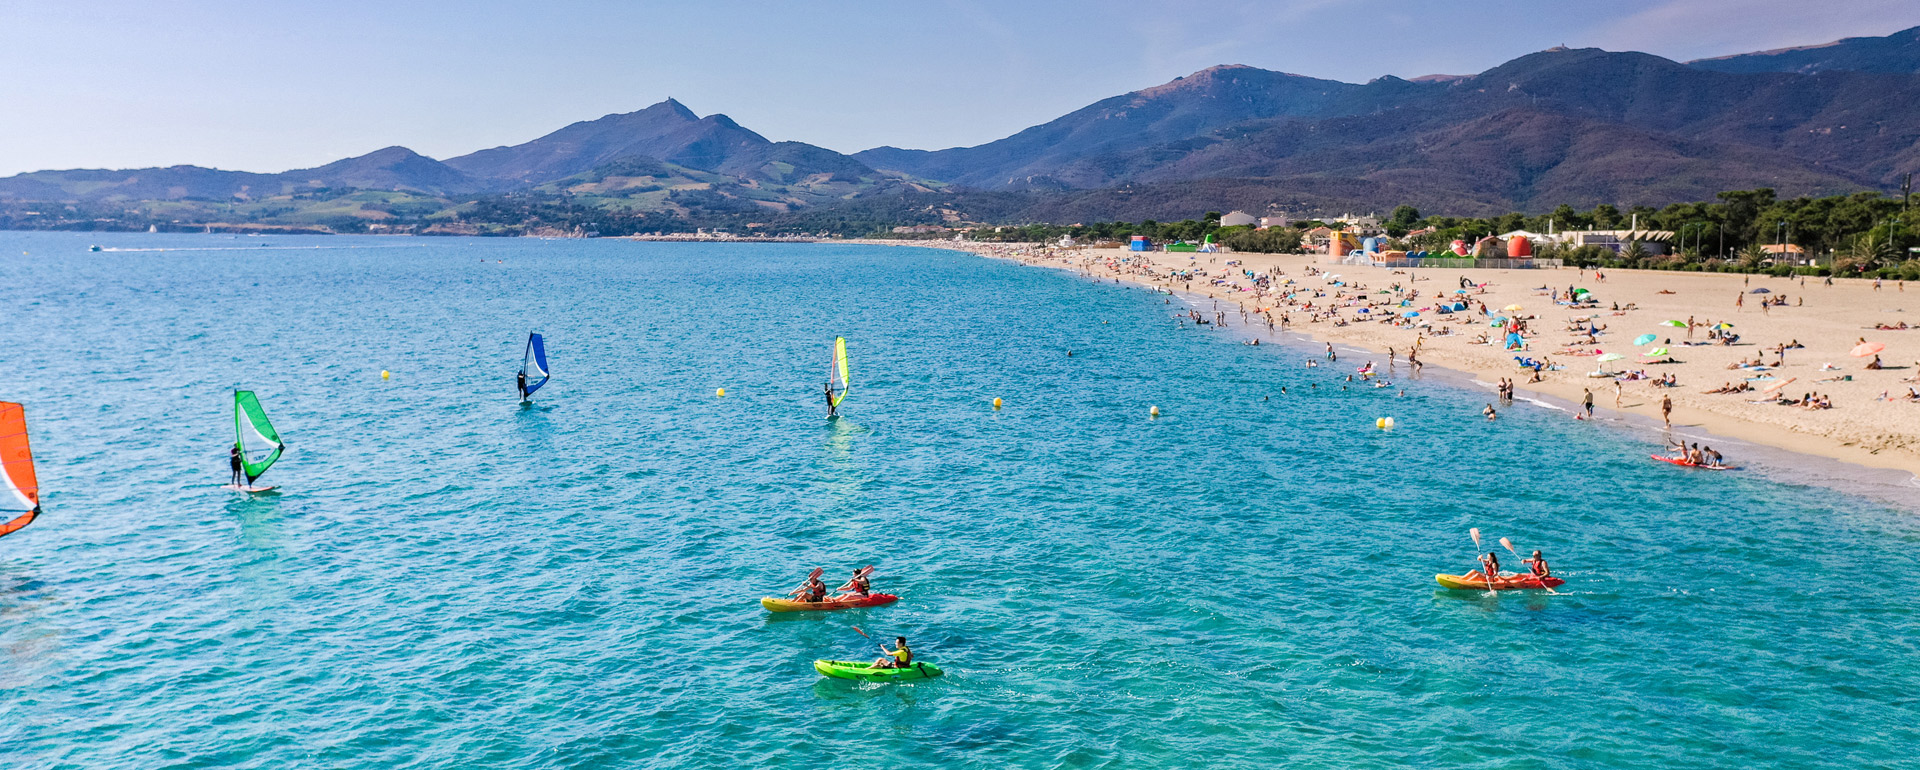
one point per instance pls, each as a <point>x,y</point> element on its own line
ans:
<point>1490,565</point>
<point>857,587</point>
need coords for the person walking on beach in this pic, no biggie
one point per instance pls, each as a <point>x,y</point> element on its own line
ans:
<point>1588,403</point>
<point>1740,300</point>
<point>1616,394</point>
<point>1666,410</point>
<point>1690,325</point>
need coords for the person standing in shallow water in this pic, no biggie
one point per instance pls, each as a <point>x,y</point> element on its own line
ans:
<point>1666,410</point>
<point>1589,403</point>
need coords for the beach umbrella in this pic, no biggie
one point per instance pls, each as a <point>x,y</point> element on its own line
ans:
<point>1674,324</point>
<point>1778,385</point>
<point>1723,326</point>
<point>1645,338</point>
<point>1512,308</point>
<point>1761,290</point>
<point>1459,291</point>
<point>1610,357</point>
<point>1656,352</point>
<point>1865,349</point>
<point>1410,314</point>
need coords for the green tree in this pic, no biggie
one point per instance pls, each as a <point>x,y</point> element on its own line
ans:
<point>1402,220</point>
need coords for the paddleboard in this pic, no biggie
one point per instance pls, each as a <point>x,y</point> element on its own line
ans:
<point>1687,464</point>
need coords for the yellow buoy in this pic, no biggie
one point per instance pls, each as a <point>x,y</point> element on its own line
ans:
<point>1153,411</point>
<point>384,374</point>
<point>996,402</point>
<point>720,393</point>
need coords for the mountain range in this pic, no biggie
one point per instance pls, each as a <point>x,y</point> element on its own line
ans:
<point>1577,126</point>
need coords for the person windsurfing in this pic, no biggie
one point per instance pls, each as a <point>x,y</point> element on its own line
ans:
<point>233,464</point>
<point>520,382</point>
<point>833,410</point>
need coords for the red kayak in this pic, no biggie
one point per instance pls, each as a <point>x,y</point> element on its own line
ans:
<point>1511,582</point>
<point>1686,463</point>
<point>789,605</point>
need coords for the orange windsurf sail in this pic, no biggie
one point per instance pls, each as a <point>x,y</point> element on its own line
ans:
<point>19,490</point>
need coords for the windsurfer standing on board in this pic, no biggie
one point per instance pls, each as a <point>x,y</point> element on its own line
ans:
<point>233,464</point>
<point>832,410</point>
<point>520,381</point>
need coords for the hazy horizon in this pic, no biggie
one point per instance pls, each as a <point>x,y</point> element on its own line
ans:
<point>247,88</point>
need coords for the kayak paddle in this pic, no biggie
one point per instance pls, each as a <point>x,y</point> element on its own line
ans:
<point>883,648</point>
<point>1543,583</point>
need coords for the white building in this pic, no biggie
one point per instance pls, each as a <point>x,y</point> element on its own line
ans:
<point>1277,220</point>
<point>1238,219</point>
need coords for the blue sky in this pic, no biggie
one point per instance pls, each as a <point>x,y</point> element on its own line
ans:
<point>270,85</point>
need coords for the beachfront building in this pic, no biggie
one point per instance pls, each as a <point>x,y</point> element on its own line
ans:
<point>1238,219</point>
<point>1787,254</point>
<point>1617,241</point>
<point>1276,220</point>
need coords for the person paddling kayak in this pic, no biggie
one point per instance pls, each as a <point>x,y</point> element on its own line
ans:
<point>898,657</point>
<point>813,590</point>
<point>858,584</point>
<point>1538,565</point>
<point>1489,570</point>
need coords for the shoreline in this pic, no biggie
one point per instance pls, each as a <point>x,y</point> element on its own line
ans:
<point>1784,445</point>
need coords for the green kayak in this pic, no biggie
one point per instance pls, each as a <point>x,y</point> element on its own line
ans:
<point>867,672</point>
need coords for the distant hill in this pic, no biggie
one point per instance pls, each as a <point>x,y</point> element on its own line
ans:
<point>1559,126</point>
<point>1895,53</point>
<point>668,132</point>
<point>394,168</point>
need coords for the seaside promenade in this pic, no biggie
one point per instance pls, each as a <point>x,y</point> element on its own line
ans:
<point>1826,320</point>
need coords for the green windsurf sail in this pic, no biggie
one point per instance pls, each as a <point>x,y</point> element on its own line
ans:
<point>838,378</point>
<point>260,445</point>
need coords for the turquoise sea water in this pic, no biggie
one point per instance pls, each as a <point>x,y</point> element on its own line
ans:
<point>451,580</point>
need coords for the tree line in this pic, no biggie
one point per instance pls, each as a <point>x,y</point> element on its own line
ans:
<point>1864,233</point>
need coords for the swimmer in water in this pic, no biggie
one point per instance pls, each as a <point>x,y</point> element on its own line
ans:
<point>1489,412</point>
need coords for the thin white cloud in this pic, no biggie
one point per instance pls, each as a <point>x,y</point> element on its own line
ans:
<point>1694,29</point>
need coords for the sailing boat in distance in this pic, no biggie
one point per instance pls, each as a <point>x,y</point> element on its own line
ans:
<point>256,445</point>
<point>20,495</point>
<point>533,367</point>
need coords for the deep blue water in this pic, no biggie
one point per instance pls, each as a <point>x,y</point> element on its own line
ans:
<point>450,580</point>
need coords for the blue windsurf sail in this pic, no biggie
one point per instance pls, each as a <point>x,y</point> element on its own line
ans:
<point>534,366</point>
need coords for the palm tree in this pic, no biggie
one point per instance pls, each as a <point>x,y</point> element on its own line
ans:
<point>1869,251</point>
<point>1636,251</point>
<point>1753,256</point>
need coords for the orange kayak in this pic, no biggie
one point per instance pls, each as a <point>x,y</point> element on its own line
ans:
<point>1478,583</point>
<point>789,605</point>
